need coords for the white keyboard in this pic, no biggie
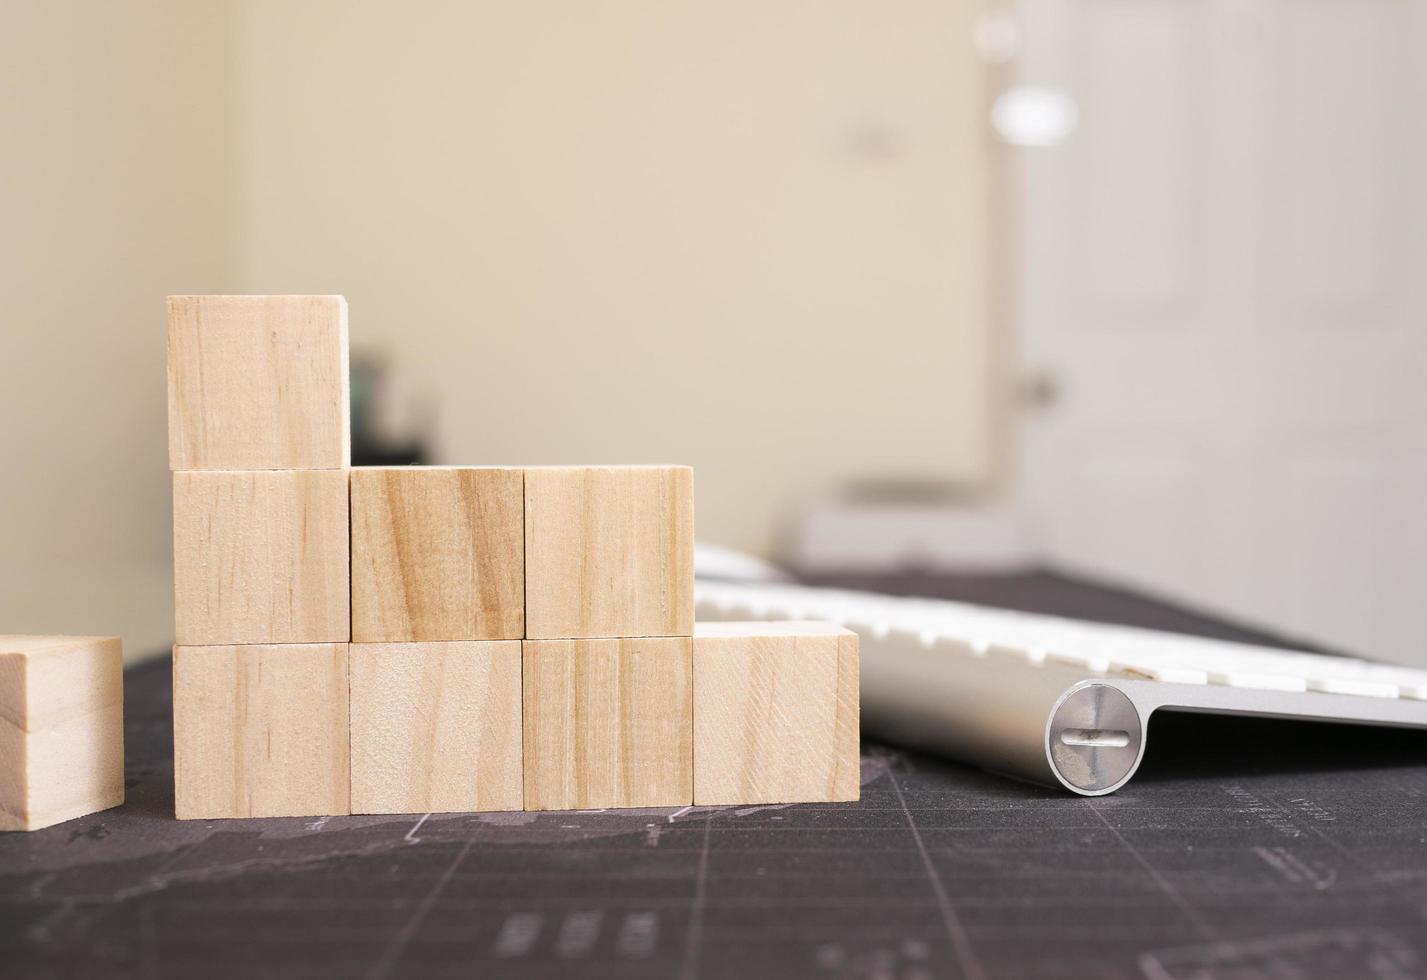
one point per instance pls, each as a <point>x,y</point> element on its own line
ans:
<point>1062,701</point>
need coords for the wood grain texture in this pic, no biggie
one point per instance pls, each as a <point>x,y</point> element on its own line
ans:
<point>436,727</point>
<point>258,383</point>
<point>609,551</point>
<point>260,731</point>
<point>438,553</point>
<point>61,728</point>
<point>261,557</point>
<point>776,712</point>
<point>608,723</point>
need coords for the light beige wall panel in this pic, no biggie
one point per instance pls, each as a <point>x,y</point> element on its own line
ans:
<point>753,237</point>
<point>117,189</point>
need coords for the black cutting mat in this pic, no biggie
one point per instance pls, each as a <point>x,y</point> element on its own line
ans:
<point>1242,849</point>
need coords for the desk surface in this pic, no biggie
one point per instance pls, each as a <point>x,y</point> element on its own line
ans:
<point>1243,848</point>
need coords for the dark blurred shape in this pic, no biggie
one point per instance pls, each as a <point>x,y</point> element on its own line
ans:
<point>370,446</point>
<point>1202,746</point>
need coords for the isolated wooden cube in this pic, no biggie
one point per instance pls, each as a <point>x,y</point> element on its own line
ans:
<point>608,723</point>
<point>438,553</point>
<point>775,713</point>
<point>260,731</point>
<point>436,727</point>
<point>609,551</point>
<point>61,728</point>
<point>261,557</point>
<point>258,383</point>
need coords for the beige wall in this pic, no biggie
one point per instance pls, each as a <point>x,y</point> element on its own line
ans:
<point>116,187</point>
<point>742,235</point>
<point>746,236</point>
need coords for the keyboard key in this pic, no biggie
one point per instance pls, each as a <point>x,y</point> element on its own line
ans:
<point>1261,682</point>
<point>1164,675</point>
<point>1016,654</point>
<point>1354,686</point>
<point>1088,661</point>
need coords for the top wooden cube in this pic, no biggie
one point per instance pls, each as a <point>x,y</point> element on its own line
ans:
<point>258,383</point>
<point>609,551</point>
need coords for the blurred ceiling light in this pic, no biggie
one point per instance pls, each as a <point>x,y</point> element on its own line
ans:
<point>1031,115</point>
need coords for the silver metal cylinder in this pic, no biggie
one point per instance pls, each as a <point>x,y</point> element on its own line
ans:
<point>1048,725</point>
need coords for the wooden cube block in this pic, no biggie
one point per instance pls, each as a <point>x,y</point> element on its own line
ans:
<point>608,723</point>
<point>609,551</point>
<point>436,726</point>
<point>438,553</point>
<point>261,557</point>
<point>260,731</point>
<point>61,728</point>
<point>258,383</point>
<point>775,713</point>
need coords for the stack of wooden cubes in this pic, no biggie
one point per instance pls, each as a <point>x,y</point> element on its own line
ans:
<point>451,638</point>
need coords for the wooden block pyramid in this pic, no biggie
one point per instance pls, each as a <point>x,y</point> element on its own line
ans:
<point>421,639</point>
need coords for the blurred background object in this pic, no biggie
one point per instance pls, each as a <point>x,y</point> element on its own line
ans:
<point>889,527</point>
<point>388,430</point>
<point>1101,285</point>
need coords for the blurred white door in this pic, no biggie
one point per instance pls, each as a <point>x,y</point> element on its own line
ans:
<point>1225,302</point>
